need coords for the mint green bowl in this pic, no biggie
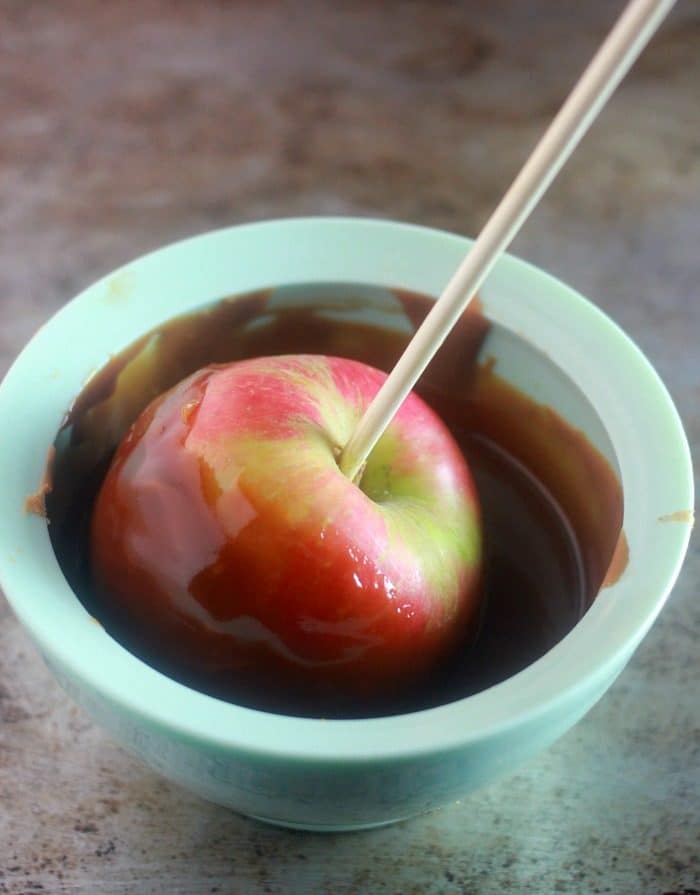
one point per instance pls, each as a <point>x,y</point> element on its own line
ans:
<point>337,775</point>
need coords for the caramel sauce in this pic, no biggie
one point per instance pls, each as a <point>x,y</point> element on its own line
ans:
<point>552,506</point>
<point>36,501</point>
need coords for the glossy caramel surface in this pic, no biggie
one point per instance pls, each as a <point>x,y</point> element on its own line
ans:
<point>547,543</point>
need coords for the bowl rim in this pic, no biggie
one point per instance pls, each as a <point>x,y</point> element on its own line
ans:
<point>657,483</point>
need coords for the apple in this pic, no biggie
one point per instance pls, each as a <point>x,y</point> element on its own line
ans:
<point>227,537</point>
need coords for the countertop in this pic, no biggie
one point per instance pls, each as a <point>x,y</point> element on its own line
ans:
<point>124,126</point>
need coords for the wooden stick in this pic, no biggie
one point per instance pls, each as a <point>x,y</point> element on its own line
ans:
<point>629,36</point>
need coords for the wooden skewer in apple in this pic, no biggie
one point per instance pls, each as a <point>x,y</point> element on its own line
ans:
<point>612,61</point>
<point>230,534</point>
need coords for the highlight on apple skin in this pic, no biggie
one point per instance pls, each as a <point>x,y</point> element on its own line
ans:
<point>230,543</point>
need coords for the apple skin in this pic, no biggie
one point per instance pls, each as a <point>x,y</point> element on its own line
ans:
<point>227,537</point>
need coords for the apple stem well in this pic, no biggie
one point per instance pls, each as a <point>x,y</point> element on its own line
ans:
<point>628,37</point>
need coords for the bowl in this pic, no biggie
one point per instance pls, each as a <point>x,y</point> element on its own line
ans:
<point>348,774</point>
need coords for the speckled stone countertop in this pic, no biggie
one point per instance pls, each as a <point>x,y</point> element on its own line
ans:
<point>124,126</point>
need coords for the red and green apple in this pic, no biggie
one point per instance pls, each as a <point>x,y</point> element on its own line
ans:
<point>227,535</point>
